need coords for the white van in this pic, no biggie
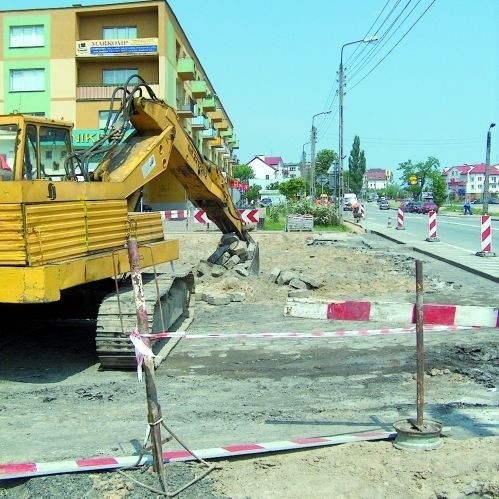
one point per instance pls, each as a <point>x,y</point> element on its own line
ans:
<point>349,201</point>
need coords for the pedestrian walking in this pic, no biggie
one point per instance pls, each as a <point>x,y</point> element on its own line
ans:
<point>467,208</point>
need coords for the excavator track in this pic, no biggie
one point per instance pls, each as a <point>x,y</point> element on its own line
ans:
<point>176,292</point>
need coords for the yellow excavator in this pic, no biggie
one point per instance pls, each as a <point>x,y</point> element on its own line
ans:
<point>64,224</point>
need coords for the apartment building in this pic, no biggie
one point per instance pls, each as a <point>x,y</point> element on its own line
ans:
<point>64,63</point>
<point>468,181</point>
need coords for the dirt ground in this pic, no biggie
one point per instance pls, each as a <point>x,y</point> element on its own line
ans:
<point>55,404</point>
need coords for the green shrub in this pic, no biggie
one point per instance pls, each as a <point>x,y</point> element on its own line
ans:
<point>324,216</point>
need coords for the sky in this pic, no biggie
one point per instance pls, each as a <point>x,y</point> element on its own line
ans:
<point>274,65</point>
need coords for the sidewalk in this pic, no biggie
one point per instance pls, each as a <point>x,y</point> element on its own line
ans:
<point>487,267</point>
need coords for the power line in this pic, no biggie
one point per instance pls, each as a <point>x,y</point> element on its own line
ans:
<point>367,33</point>
<point>419,142</point>
<point>375,48</point>
<point>364,47</point>
<point>391,50</point>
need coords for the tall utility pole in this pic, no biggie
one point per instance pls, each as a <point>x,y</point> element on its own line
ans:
<point>340,148</point>
<point>313,141</point>
<point>486,191</point>
<point>340,94</point>
<point>304,162</point>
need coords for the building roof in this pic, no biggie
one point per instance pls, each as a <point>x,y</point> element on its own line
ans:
<point>472,169</point>
<point>273,160</point>
<point>377,174</point>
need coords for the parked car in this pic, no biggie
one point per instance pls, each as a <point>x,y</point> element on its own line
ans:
<point>406,206</point>
<point>428,206</point>
<point>384,205</point>
<point>415,207</point>
<point>480,201</point>
<point>264,202</point>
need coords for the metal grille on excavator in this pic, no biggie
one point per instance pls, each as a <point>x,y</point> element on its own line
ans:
<point>114,348</point>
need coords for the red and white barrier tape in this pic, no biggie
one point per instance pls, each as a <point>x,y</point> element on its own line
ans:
<point>141,349</point>
<point>341,333</point>
<point>32,469</point>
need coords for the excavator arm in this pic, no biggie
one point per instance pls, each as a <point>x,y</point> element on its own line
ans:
<point>159,143</point>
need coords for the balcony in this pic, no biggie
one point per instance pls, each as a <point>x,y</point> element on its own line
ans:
<point>226,134</point>
<point>186,110</point>
<point>209,134</point>
<point>216,116</point>
<point>186,69</point>
<point>208,103</point>
<point>199,123</point>
<point>102,92</point>
<point>222,125</point>
<point>199,89</point>
<point>126,47</point>
<point>217,142</point>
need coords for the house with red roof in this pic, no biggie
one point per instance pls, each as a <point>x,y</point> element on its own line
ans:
<point>468,180</point>
<point>268,168</point>
<point>377,178</point>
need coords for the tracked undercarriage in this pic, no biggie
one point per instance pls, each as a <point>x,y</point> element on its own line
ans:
<point>117,315</point>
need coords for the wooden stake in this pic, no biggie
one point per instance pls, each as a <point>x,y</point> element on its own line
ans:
<point>153,407</point>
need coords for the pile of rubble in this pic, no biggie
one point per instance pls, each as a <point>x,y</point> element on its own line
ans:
<point>299,284</point>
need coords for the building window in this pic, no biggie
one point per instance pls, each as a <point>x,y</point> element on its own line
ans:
<point>479,179</point>
<point>117,76</point>
<point>27,36</point>
<point>119,32</point>
<point>27,80</point>
<point>103,115</point>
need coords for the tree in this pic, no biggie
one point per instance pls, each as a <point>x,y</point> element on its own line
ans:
<point>290,188</point>
<point>422,171</point>
<point>253,193</point>
<point>346,181</point>
<point>393,190</point>
<point>324,159</point>
<point>438,187</point>
<point>274,186</point>
<point>243,172</point>
<point>356,166</point>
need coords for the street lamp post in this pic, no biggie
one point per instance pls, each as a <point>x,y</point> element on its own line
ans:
<point>486,191</point>
<point>340,95</point>
<point>313,140</point>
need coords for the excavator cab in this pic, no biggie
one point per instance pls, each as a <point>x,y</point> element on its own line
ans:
<point>35,149</point>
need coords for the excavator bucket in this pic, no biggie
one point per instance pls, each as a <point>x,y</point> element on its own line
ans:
<point>245,252</point>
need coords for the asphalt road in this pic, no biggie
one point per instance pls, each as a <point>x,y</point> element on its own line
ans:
<point>459,231</point>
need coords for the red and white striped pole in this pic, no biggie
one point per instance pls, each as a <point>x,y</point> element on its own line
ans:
<point>400,219</point>
<point>486,237</point>
<point>432,227</point>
